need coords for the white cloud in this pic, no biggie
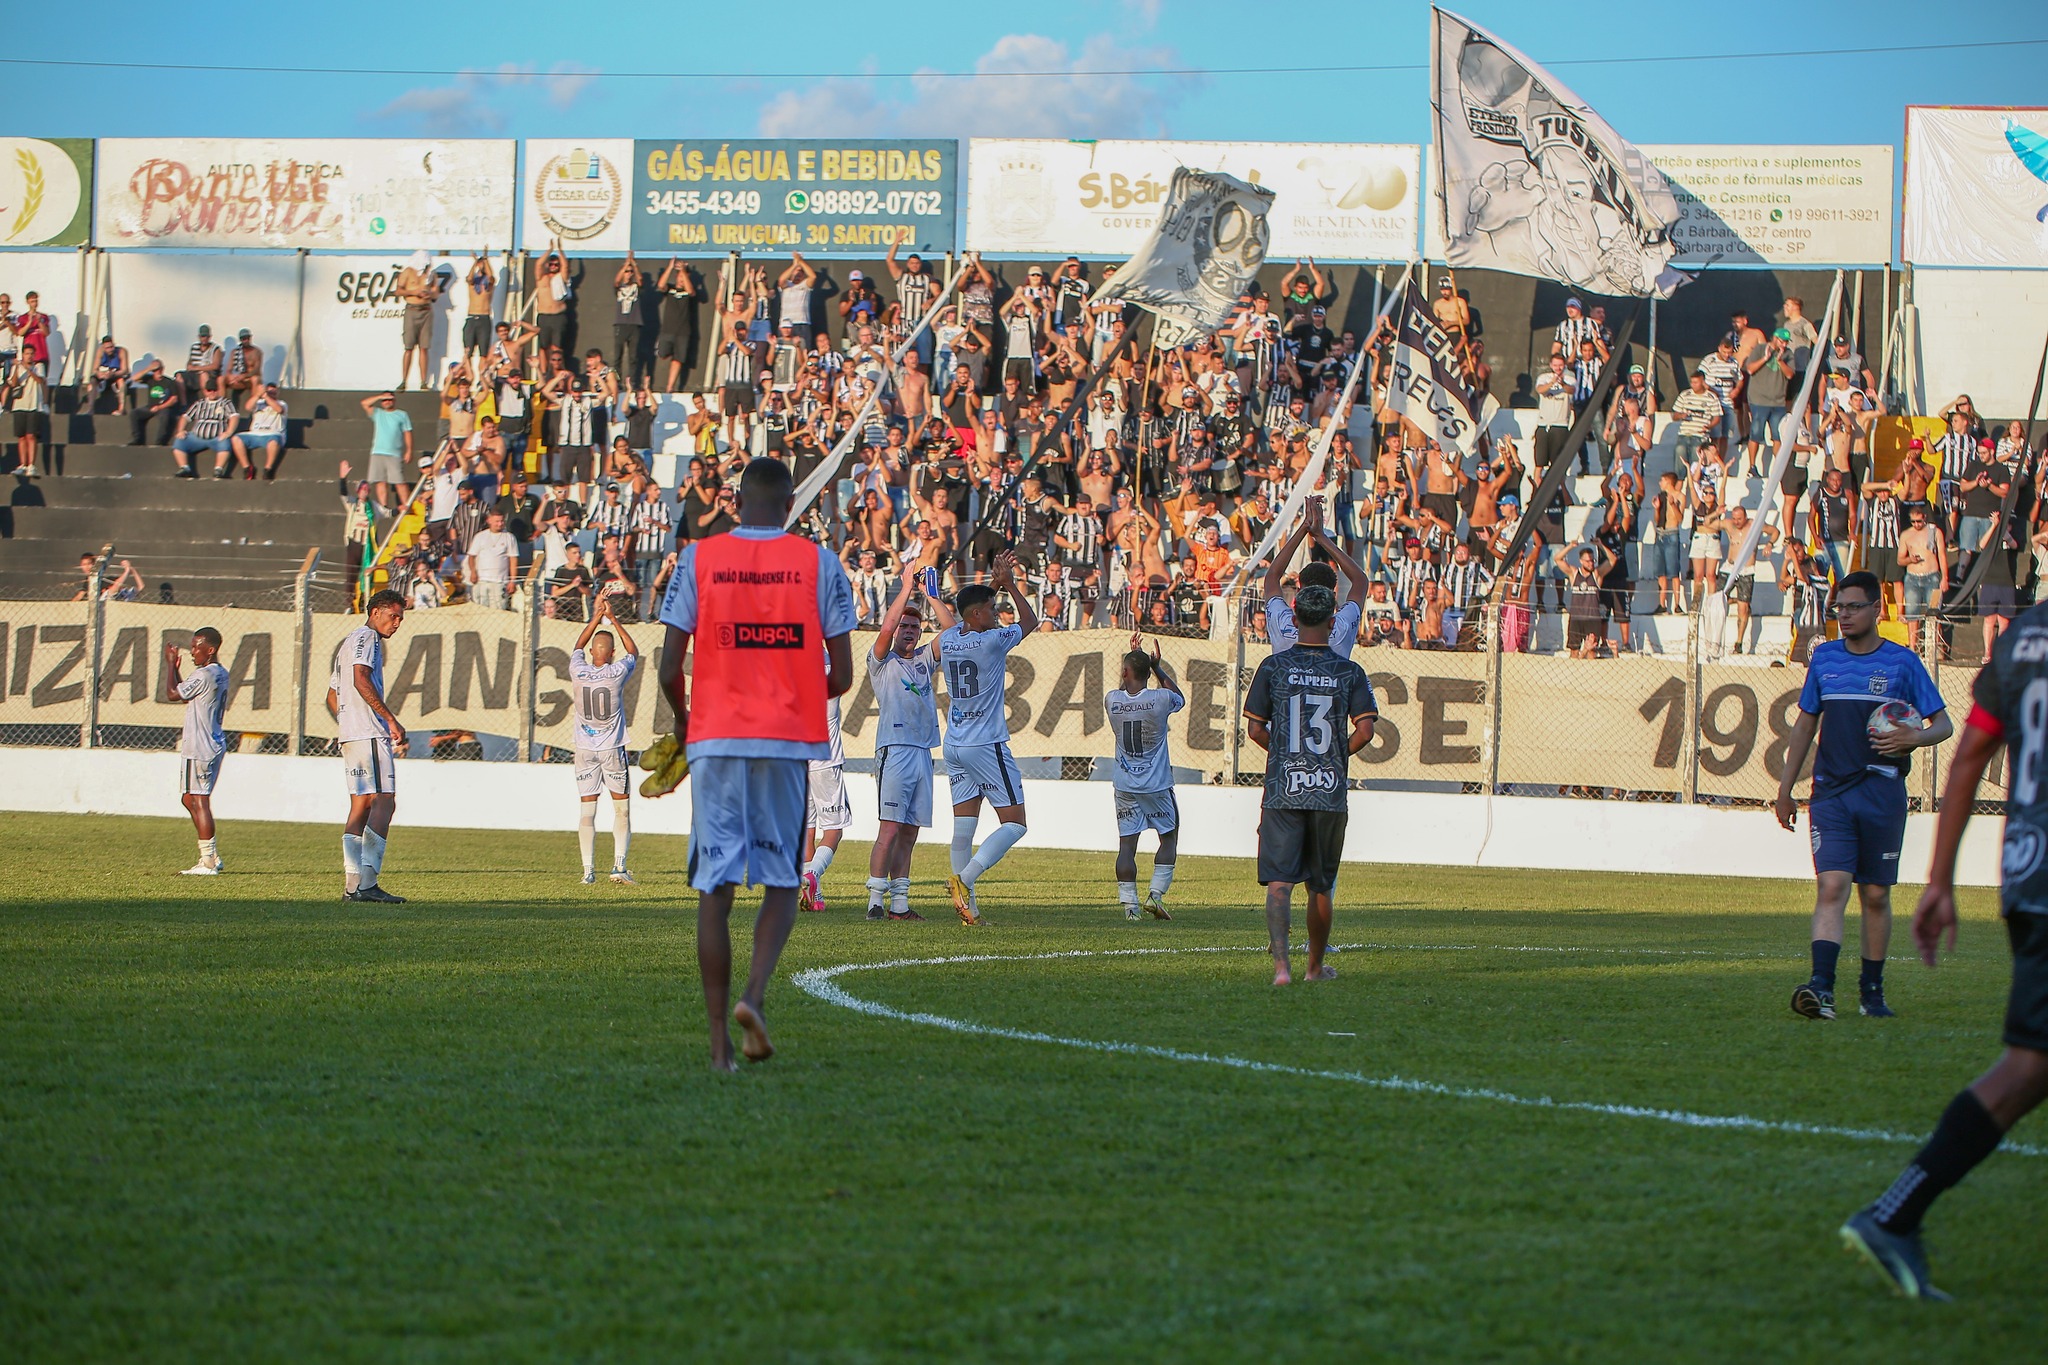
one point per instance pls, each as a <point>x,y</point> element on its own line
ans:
<point>474,102</point>
<point>1079,101</point>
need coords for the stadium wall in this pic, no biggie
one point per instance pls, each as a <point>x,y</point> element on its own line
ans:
<point>1386,827</point>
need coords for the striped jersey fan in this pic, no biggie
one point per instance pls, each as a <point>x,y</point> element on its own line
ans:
<point>1893,717</point>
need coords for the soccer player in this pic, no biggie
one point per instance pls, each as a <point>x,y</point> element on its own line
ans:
<point>598,684</point>
<point>371,738</point>
<point>1143,776</point>
<point>2007,708</point>
<point>1280,615</point>
<point>900,669</point>
<point>755,602</point>
<point>201,744</point>
<point>1299,701</point>
<point>972,654</point>
<point>827,812</point>
<point>1858,811</point>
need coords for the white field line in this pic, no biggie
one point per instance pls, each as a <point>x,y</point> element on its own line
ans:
<point>822,984</point>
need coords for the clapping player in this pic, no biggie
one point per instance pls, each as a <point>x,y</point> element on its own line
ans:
<point>974,654</point>
<point>597,681</point>
<point>1142,776</point>
<point>901,669</point>
<point>201,744</point>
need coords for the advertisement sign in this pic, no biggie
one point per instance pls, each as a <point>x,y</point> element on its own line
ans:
<point>576,192</point>
<point>1779,205</point>
<point>45,191</point>
<point>1976,187</point>
<point>331,193</point>
<point>1336,201</point>
<point>846,198</point>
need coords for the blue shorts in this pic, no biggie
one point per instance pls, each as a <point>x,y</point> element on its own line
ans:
<point>194,445</point>
<point>1671,556</point>
<point>1766,424</point>
<point>1859,830</point>
<point>253,443</point>
<point>747,821</point>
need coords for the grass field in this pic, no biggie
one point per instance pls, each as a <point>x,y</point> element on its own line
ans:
<point>240,1120</point>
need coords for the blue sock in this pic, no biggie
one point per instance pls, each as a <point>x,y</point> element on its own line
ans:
<point>1873,976</point>
<point>1824,955</point>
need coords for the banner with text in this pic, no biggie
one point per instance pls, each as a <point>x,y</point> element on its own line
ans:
<point>394,194</point>
<point>1976,187</point>
<point>823,198</point>
<point>1779,205</point>
<point>45,191</point>
<point>575,192</point>
<point>1336,201</point>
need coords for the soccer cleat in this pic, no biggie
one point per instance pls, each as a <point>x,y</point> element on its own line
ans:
<point>905,915</point>
<point>201,870</point>
<point>963,901</point>
<point>1810,1002</point>
<point>623,877</point>
<point>807,897</point>
<point>379,896</point>
<point>589,877</point>
<point>878,911</point>
<point>1155,906</point>
<point>351,895</point>
<point>1899,1257</point>
<point>667,762</point>
<point>1133,913</point>
<point>1872,1006</point>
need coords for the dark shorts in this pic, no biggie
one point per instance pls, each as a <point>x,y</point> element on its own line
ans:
<point>735,398</point>
<point>1445,505</point>
<point>2026,1009</point>
<point>1742,589</point>
<point>1996,599</point>
<point>1301,846</point>
<point>1614,600</point>
<point>419,328</point>
<point>36,424</point>
<point>1859,830</point>
<point>552,329</point>
<point>1883,560</point>
<point>1795,480</point>
<point>476,332</point>
<point>672,346</point>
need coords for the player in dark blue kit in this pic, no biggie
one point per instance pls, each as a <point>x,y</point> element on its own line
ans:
<point>1858,811</point>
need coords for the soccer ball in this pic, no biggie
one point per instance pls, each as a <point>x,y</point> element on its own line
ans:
<point>1891,718</point>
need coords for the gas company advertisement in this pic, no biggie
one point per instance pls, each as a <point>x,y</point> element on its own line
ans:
<point>1337,201</point>
<point>380,194</point>
<point>822,198</point>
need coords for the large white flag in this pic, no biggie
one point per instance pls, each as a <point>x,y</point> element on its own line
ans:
<point>1206,249</point>
<point>1535,182</point>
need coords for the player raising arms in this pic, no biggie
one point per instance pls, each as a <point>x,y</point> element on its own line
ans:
<point>201,743</point>
<point>2009,707</point>
<point>827,812</point>
<point>598,683</point>
<point>371,738</point>
<point>754,601</point>
<point>1143,776</point>
<point>1295,711</point>
<point>900,669</point>
<point>1859,786</point>
<point>973,652</point>
<point>1280,615</point>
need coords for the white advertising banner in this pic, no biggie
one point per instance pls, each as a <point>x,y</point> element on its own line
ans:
<point>320,193</point>
<point>577,191</point>
<point>160,302</point>
<point>1977,187</point>
<point>1779,205</point>
<point>354,320</point>
<point>1336,201</point>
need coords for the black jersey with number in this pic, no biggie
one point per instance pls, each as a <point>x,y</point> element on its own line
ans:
<point>1308,698</point>
<point>2010,699</point>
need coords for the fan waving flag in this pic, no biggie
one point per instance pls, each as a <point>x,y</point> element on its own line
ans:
<point>1206,250</point>
<point>1425,384</point>
<point>1536,183</point>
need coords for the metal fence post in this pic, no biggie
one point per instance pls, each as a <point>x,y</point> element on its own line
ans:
<point>1689,754</point>
<point>1495,669</point>
<point>1234,608</point>
<point>302,650</point>
<point>95,631</point>
<point>529,668</point>
<point>1930,652</point>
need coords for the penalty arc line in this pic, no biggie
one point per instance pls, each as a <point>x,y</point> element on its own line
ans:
<point>822,983</point>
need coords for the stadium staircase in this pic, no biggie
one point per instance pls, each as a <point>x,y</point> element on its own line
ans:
<point>204,541</point>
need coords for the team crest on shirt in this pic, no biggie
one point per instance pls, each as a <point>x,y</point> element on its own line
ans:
<point>1878,683</point>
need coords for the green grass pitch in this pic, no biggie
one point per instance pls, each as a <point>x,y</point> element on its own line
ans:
<point>240,1120</point>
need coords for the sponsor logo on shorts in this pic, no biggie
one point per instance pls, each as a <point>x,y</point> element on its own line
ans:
<point>768,845</point>
<point>761,635</point>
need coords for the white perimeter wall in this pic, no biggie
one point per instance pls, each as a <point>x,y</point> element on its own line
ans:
<point>1980,334</point>
<point>1386,827</point>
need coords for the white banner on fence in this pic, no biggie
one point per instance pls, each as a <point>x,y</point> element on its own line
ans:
<point>335,193</point>
<point>1976,187</point>
<point>1821,205</point>
<point>1337,201</point>
<point>577,190</point>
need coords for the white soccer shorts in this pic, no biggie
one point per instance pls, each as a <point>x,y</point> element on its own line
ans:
<point>1137,812</point>
<point>903,784</point>
<point>196,776</point>
<point>826,806</point>
<point>599,771</point>
<point>367,767</point>
<point>984,770</point>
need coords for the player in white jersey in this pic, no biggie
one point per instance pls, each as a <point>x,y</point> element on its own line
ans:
<point>201,744</point>
<point>972,655</point>
<point>371,738</point>
<point>1143,776</point>
<point>1280,628</point>
<point>827,812</point>
<point>901,669</point>
<point>597,681</point>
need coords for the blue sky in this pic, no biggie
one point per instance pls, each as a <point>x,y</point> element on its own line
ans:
<point>533,74</point>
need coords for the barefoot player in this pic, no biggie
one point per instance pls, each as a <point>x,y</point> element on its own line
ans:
<point>597,681</point>
<point>974,654</point>
<point>1300,701</point>
<point>371,738</point>
<point>201,745</point>
<point>755,602</point>
<point>1143,776</point>
<point>900,668</point>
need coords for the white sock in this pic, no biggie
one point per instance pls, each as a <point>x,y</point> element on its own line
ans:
<point>878,891</point>
<point>1162,878</point>
<point>1127,893</point>
<point>373,856</point>
<point>992,850</point>
<point>351,861</point>
<point>209,853</point>
<point>821,858</point>
<point>963,841</point>
<point>586,831</point>
<point>622,832</point>
<point>899,894</point>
